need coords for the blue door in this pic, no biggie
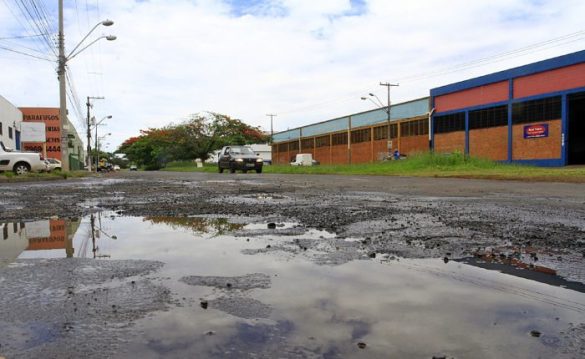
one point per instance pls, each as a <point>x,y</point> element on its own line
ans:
<point>17,140</point>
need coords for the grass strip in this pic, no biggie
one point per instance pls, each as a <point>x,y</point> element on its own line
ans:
<point>454,165</point>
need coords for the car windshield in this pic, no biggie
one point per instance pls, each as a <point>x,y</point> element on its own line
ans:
<point>241,151</point>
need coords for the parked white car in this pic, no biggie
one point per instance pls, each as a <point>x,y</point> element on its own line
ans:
<point>53,164</point>
<point>20,162</point>
<point>304,159</point>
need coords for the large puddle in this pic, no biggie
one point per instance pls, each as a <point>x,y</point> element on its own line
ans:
<point>240,289</point>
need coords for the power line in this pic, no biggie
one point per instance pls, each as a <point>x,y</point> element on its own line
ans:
<point>34,24</point>
<point>508,55</point>
<point>25,54</point>
<point>20,37</point>
<point>562,40</point>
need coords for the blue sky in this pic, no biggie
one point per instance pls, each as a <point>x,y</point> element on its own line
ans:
<point>304,60</point>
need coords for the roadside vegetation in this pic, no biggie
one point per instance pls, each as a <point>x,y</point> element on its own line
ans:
<point>422,165</point>
<point>8,176</point>
<point>197,137</point>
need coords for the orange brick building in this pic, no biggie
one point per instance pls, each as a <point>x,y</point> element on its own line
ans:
<point>532,114</point>
<point>51,148</point>
<point>360,137</point>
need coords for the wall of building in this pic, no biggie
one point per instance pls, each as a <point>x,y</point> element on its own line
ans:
<point>472,97</point>
<point>550,81</point>
<point>499,138</point>
<point>537,148</point>
<point>361,149</point>
<point>489,143</point>
<point>534,94</point>
<point>10,119</point>
<point>339,155</point>
<point>450,142</point>
<point>414,144</point>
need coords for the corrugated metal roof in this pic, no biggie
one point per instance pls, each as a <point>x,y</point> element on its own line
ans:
<point>400,111</point>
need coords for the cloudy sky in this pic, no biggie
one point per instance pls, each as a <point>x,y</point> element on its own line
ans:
<point>304,60</point>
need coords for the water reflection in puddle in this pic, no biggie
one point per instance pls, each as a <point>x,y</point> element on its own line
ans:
<point>274,304</point>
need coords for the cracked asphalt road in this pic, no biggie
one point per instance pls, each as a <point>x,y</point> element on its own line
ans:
<point>409,217</point>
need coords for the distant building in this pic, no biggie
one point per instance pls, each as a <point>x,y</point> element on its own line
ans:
<point>532,114</point>
<point>10,120</point>
<point>360,137</point>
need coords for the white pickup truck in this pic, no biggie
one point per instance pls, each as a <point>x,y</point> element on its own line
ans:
<point>20,162</point>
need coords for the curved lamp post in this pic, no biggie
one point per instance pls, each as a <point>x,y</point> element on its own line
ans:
<point>61,71</point>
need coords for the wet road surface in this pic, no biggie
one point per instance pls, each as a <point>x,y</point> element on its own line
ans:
<point>197,265</point>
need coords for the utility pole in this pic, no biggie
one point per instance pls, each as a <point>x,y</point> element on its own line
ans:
<point>388,86</point>
<point>271,115</point>
<point>88,103</point>
<point>63,95</point>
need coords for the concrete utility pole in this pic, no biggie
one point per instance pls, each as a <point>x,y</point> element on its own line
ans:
<point>61,72</point>
<point>62,95</point>
<point>389,85</point>
<point>271,115</point>
<point>89,105</point>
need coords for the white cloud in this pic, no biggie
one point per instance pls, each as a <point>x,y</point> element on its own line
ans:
<point>307,64</point>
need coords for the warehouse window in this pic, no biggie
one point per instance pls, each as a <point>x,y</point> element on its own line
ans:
<point>339,139</point>
<point>381,132</point>
<point>9,132</point>
<point>0,128</point>
<point>488,117</point>
<point>283,147</point>
<point>322,141</point>
<point>450,123</point>
<point>293,146</point>
<point>414,128</point>
<point>394,130</point>
<point>358,136</point>
<point>307,144</point>
<point>545,109</point>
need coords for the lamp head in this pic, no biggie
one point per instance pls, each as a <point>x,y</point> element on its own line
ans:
<point>107,22</point>
<point>111,37</point>
<point>363,98</point>
<point>109,116</point>
<point>371,94</point>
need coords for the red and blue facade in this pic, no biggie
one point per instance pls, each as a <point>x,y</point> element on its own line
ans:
<point>532,114</point>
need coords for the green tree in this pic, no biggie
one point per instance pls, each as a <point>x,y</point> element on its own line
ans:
<point>197,137</point>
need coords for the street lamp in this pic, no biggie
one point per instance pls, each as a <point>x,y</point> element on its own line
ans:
<point>61,71</point>
<point>97,156</point>
<point>372,101</point>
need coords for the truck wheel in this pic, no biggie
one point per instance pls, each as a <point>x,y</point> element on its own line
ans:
<point>21,168</point>
<point>259,170</point>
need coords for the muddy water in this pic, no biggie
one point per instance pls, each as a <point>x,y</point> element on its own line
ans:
<point>239,289</point>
